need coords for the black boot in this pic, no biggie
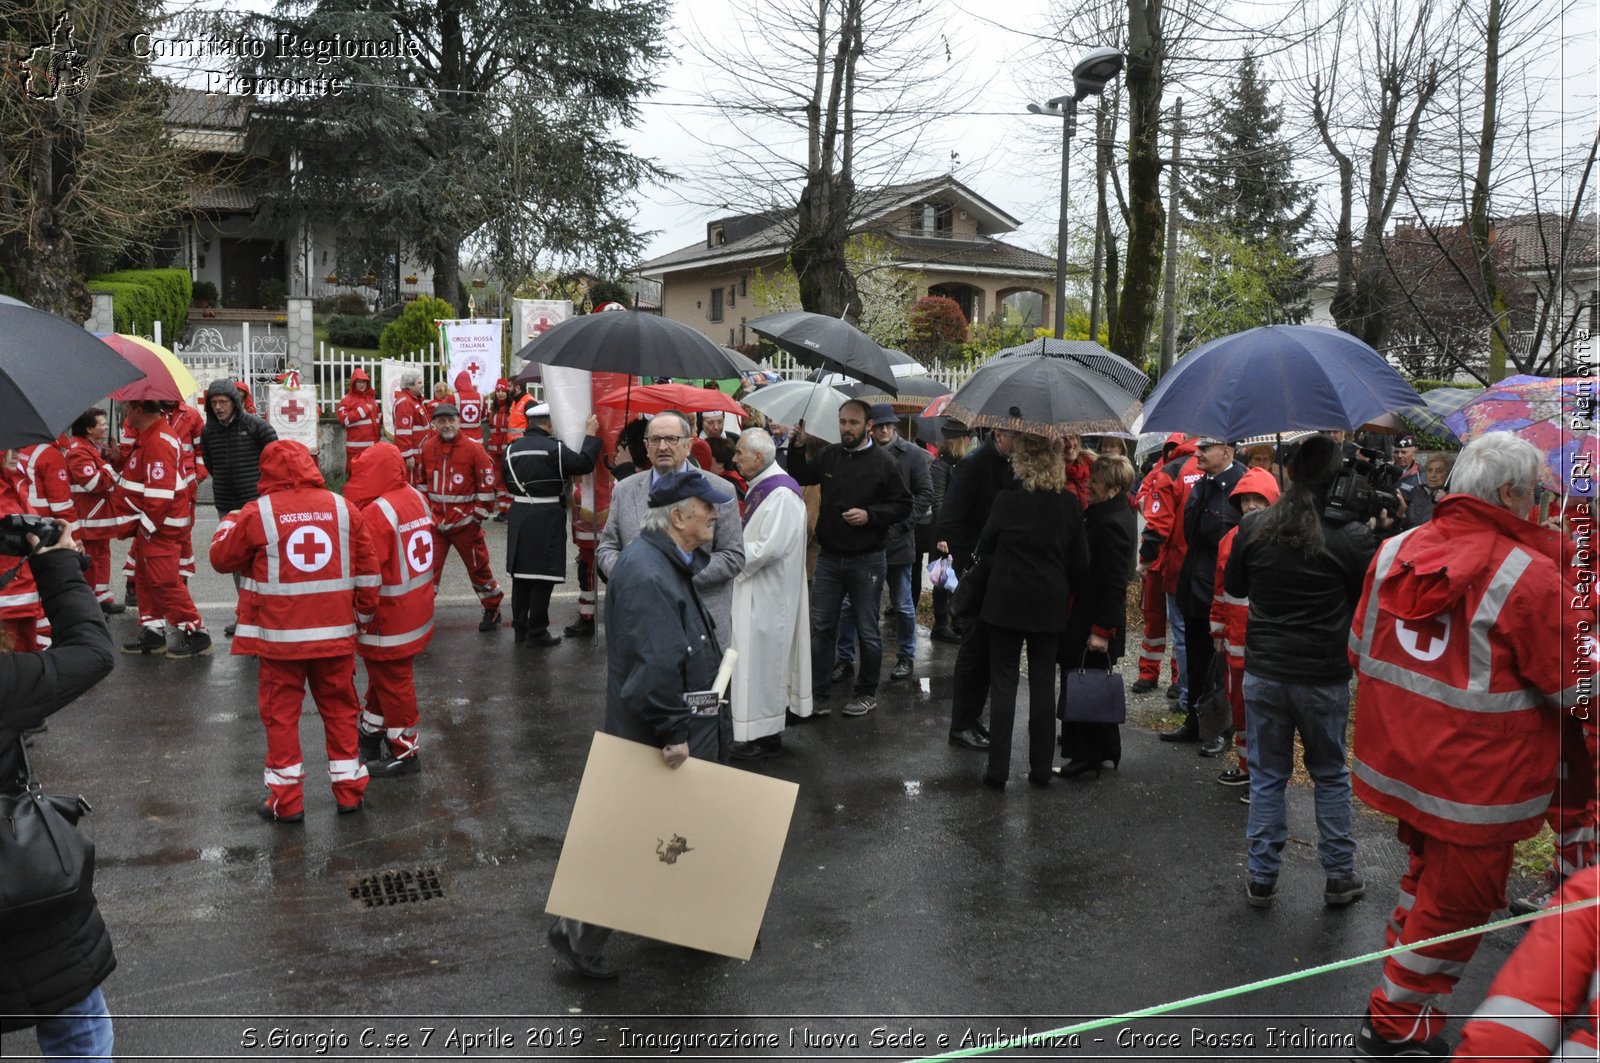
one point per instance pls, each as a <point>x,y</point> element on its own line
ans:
<point>370,745</point>
<point>581,628</point>
<point>1188,731</point>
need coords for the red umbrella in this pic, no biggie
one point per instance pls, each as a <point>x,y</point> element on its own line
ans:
<point>936,407</point>
<point>653,398</point>
<point>166,379</point>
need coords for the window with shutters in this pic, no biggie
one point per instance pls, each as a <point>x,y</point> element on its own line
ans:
<point>716,304</point>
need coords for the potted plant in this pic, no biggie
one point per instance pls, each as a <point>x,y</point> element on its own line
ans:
<point>371,278</point>
<point>332,278</point>
<point>204,294</point>
<point>479,282</point>
<point>411,278</point>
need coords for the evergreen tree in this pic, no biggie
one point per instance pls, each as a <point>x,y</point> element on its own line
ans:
<point>1240,192</point>
<point>494,124</point>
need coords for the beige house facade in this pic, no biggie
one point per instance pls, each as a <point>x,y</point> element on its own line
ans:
<point>937,229</point>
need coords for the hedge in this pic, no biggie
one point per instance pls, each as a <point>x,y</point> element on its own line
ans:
<point>142,296</point>
<point>347,330</point>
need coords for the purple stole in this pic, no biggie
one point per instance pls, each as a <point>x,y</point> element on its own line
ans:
<point>758,494</point>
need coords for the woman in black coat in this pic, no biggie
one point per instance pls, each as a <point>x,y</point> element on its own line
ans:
<point>1034,545</point>
<point>52,963</point>
<point>1097,625</point>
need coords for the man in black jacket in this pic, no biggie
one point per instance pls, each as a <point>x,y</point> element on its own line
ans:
<point>863,497</point>
<point>974,483</point>
<point>231,444</point>
<point>1208,515</point>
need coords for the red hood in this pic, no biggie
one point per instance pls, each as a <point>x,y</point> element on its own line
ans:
<point>1256,482</point>
<point>1184,449</point>
<point>1455,552</point>
<point>378,471</point>
<point>286,464</point>
<point>360,374</point>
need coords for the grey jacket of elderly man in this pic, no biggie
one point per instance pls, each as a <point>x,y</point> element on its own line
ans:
<point>629,501</point>
<point>771,610</point>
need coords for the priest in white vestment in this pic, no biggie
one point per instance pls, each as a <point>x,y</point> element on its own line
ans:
<point>771,606</point>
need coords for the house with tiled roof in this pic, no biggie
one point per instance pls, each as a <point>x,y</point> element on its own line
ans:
<point>938,229</point>
<point>223,243</point>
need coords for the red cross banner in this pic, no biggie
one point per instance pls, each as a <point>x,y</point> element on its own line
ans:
<point>473,347</point>
<point>535,317</point>
<point>292,412</point>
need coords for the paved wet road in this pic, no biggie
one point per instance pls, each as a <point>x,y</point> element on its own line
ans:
<point>909,899</point>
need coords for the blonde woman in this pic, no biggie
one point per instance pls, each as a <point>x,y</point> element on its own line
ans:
<point>1036,550</point>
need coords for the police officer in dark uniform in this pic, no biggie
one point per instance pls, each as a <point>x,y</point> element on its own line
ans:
<point>536,468</point>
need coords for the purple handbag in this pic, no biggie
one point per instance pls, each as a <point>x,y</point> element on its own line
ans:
<point>1092,696</point>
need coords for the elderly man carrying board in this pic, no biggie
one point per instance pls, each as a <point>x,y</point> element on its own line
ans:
<point>667,440</point>
<point>771,609</point>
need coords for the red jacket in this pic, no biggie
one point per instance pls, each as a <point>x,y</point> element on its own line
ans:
<point>154,490</point>
<point>187,424</point>
<point>49,489</point>
<point>1229,615</point>
<point>359,413</point>
<point>310,574</point>
<point>19,599</point>
<point>1550,980</point>
<point>400,526</point>
<point>498,419</point>
<point>1165,491</point>
<point>1463,652</point>
<point>410,425</point>
<point>458,479</point>
<point>93,484</point>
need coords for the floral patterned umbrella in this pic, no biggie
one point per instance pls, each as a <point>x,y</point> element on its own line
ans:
<point>1555,414</point>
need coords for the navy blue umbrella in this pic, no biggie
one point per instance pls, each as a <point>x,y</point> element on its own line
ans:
<point>1276,378</point>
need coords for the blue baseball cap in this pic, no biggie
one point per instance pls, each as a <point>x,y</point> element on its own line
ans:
<point>674,487</point>
<point>883,413</point>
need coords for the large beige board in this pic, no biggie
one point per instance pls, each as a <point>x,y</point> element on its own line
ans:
<point>686,856</point>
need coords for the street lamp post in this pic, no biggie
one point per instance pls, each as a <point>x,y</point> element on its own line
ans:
<point>1089,78</point>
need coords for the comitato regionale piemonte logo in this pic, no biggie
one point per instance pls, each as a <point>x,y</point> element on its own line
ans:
<point>56,70</point>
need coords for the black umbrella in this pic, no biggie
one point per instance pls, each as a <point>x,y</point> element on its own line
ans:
<point>1090,355</point>
<point>50,371</point>
<point>1044,395</point>
<point>830,343</point>
<point>628,342</point>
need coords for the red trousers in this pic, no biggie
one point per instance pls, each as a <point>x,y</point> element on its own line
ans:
<point>468,541</point>
<point>1447,887</point>
<point>392,704</point>
<point>1153,647</point>
<point>586,578</point>
<point>23,632</point>
<point>98,551</point>
<point>163,596</point>
<point>1235,685</point>
<point>1572,811</point>
<point>281,691</point>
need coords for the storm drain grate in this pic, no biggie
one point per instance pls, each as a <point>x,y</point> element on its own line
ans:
<point>382,889</point>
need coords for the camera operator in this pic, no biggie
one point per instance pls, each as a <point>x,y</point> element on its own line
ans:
<point>52,964</point>
<point>1301,564</point>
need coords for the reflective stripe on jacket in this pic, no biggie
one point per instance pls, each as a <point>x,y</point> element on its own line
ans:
<point>400,525</point>
<point>92,483</point>
<point>458,479</point>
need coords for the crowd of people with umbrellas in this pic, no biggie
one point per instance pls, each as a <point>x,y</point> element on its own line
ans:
<point>1266,502</point>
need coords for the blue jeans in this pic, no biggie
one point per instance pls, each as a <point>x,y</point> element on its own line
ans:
<point>1175,633</point>
<point>82,1031</point>
<point>1273,712</point>
<point>905,617</point>
<point>861,577</point>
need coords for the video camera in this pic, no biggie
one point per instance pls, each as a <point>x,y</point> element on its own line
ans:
<point>1365,487</point>
<point>16,527</point>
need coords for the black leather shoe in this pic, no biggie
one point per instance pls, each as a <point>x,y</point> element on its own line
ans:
<point>579,628</point>
<point>112,608</point>
<point>1214,747</point>
<point>393,768</point>
<point>348,810</point>
<point>982,729</point>
<point>264,810</point>
<point>969,739</point>
<point>1172,692</point>
<point>945,633</point>
<point>842,671</point>
<point>1143,686</point>
<point>490,621</point>
<point>149,641</point>
<point>543,638</point>
<point>755,751</point>
<point>589,966</point>
<point>1188,731</point>
<point>993,783</point>
<point>902,669</point>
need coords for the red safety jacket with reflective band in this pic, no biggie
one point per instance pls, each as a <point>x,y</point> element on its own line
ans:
<point>187,423</point>
<point>363,421</point>
<point>458,479</point>
<point>19,599</point>
<point>309,572</point>
<point>49,489</point>
<point>153,489</point>
<point>1544,1003</point>
<point>1462,643</point>
<point>1163,514</point>
<point>93,483</point>
<point>410,425</point>
<point>400,525</point>
<point>1229,615</point>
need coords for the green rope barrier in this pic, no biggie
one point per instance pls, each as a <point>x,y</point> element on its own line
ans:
<point>1250,987</point>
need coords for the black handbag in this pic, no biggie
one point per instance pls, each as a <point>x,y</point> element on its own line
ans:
<point>1213,711</point>
<point>44,858</point>
<point>966,601</point>
<point>1092,696</point>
